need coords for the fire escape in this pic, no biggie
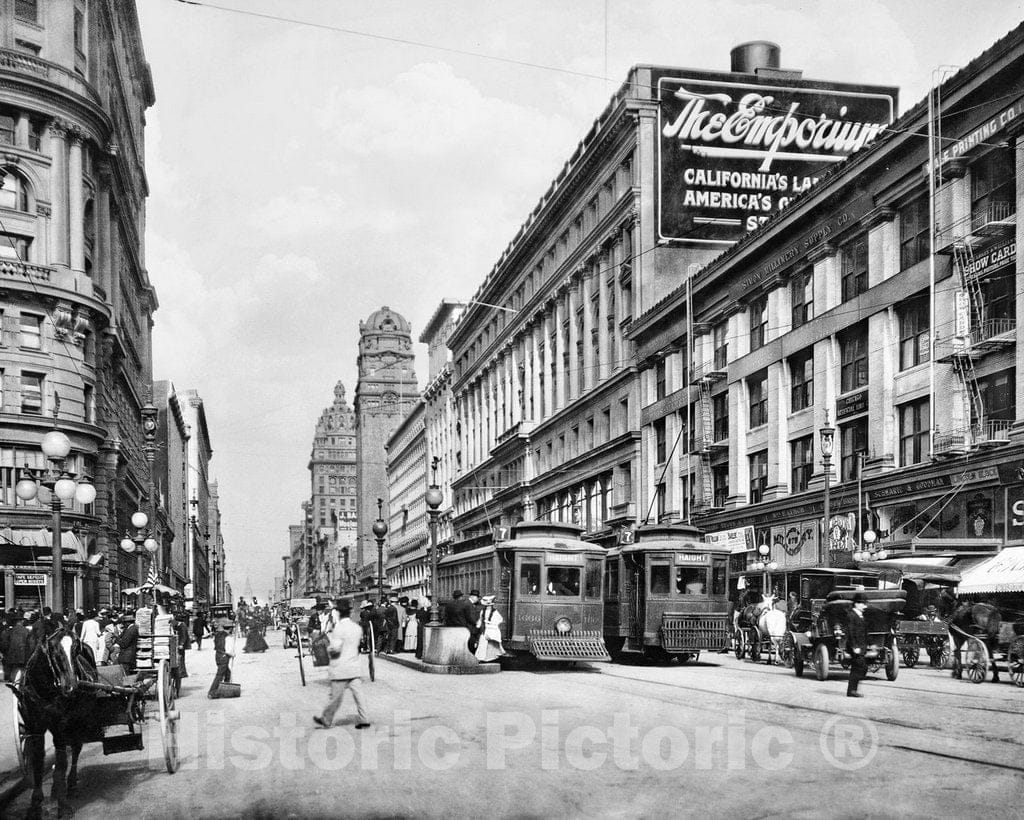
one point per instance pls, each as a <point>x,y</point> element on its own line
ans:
<point>703,443</point>
<point>977,334</point>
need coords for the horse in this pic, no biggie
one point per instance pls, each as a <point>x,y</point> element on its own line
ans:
<point>968,618</point>
<point>750,607</point>
<point>772,622</point>
<point>51,698</point>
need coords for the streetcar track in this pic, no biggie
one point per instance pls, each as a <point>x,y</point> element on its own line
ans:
<point>957,757</point>
<point>813,709</point>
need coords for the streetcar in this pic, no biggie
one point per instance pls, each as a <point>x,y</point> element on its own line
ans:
<point>547,585</point>
<point>666,595</point>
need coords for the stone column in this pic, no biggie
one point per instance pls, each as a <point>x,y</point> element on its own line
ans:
<point>603,340</point>
<point>76,205</point>
<point>500,399</point>
<point>780,312</point>
<point>779,456</point>
<point>546,362</point>
<point>529,338</point>
<point>827,284</point>
<point>560,342</point>
<point>739,468</point>
<point>589,360</point>
<point>572,375</point>
<point>59,220</point>
<point>516,387</point>
<point>102,268</point>
<point>539,405</point>
<point>883,359</point>
<point>883,245</point>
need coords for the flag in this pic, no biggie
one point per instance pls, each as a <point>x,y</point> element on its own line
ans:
<point>152,579</point>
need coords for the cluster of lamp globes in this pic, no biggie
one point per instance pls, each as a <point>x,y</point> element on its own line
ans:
<point>869,553</point>
<point>56,446</point>
<point>764,564</point>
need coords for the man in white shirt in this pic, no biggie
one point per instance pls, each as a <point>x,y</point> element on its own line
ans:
<point>345,668</point>
<point>92,635</point>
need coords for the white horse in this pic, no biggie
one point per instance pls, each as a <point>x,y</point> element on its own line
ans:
<point>772,622</point>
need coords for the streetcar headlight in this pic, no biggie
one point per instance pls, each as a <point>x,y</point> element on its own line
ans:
<point>563,626</point>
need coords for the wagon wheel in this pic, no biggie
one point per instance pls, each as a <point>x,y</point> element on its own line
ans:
<point>938,653</point>
<point>739,648</point>
<point>821,661</point>
<point>787,647</point>
<point>976,660</point>
<point>1015,661</point>
<point>798,660</point>
<point>169,716</point>
<point>20,735</point>
<point>892,662</point>
<point>911,652</point>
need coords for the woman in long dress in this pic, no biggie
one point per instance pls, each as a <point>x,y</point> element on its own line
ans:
<point>489,626</point>
<point>254,641</point>
<point>411,627</point>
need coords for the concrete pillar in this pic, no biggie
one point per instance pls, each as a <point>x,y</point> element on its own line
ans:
<point>59,218</point>
<point>76,205</point>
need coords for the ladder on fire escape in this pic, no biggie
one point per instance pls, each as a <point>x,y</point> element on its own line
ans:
<point>963,361</point>
<point>703,442</point>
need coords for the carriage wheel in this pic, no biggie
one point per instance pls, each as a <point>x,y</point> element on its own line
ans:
<point>976,660</point>
<point>169,716</point>
<point>821,661</point>
<point>1015,661</point>
<point>755,646</point>
<point>787,647</point>
<point>739,647</point>
<point>798,661</point>
<point>892,662</point>
<point>20,734</point>
<point>939,653</point>
<point>911,652</point>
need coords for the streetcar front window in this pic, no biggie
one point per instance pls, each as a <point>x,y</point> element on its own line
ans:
<point>529,578</point>
<point>691,580</point>
<point>718,577</point>
<point>592,588</point>
<point>659,579</point>
<point>563,581</point>
<point>612,579</point>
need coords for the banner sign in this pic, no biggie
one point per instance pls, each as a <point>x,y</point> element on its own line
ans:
<point>998,257</point>
<point>732,154</point>
<point>30,579</point>
<point>852,405</point>
<point>795,545</point>
<point>984,132</point>
<point>738,540</point>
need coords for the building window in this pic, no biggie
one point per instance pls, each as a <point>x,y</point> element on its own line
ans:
<point>32,393</point>
<point>660,442</point>
<point>758,387</point>
<point>662,501</point>
<point>914,335</point>
<point>7,128</point>
<point>802,289</point>
<point>802,450</point>
<point>27,10</point>
<point>993,187</point>
<point>915,420</point>
<point>853,441</point>
<point>758,322</point>
<point>1000,301</point>
<point>79,30</point>
<point>914,239</point>
<point>854,262</point>
<point>31,331</point>
<point>854,354</point>
<point>13,192</point>
<point>720,482</point>
<point>801,371</point>
<point>998,396</point>
<point>758,476</point>
<point>721,342</point>
<point>720,415</point>
<point>14,247</point>
<point>659,379</point>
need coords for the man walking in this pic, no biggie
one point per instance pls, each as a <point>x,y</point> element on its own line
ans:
<point>345,668</point>
<point>857,644</point>
<point>221,655</point>
<point>392,623</point>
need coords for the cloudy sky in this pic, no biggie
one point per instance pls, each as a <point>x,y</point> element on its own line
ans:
<point>302,176</point>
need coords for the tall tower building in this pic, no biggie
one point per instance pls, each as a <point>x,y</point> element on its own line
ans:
<point>332,475</point>
<point>385,392</point>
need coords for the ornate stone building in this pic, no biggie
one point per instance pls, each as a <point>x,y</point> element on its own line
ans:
<point>77,304</point>
<point>385,392</point>
<point>332,474</point>
<point>408,535</point>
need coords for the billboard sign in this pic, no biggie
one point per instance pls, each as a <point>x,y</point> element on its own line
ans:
<point>737,540</point>
<point>732,154</point>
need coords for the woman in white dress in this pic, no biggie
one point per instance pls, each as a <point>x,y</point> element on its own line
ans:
<point>489,625</point>
<point>411,627</point>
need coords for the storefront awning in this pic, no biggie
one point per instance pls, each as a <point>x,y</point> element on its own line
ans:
<point>1000,573</point>
<point>935,568</point>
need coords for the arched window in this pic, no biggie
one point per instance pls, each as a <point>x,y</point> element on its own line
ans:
<point>13,192</point>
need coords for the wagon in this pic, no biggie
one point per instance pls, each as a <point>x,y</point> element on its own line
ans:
<point>977,659</point>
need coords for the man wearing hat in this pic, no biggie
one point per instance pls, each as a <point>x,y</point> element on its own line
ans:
<point>221,629</point>
<point>16,646</point>
<point>461,612</point>
<point>128,642</point>
<point>857,644</point>
<point>392,625</point>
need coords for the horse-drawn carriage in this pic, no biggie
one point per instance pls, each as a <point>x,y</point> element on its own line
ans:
<point>760,629</point>
<point>63,692</point>
<point>818,625</point>
<point>922,626</point>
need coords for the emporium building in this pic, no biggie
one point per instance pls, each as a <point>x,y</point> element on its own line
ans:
<point>883,303</point>
<point>76,303</point>
<point>547,394</point>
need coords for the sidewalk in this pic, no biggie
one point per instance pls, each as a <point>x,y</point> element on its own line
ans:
<point>409,660</point>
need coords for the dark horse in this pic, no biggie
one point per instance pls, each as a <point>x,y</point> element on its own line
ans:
<point>52,699</point>
<point>969,618</point>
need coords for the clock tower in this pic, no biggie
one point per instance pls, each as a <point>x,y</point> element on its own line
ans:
<point>385,392</point>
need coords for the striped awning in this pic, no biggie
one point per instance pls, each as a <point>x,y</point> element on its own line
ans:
<point>1000,573</point>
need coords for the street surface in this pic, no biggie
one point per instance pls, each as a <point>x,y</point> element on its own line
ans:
<point>724,738</point>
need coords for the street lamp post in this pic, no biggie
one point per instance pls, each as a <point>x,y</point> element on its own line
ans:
<point>827,439</point>
<point>62,485</point>
<point>148,414</point>
<point>380,529</point>
<point>433,500</point>
<point>290,589</point>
